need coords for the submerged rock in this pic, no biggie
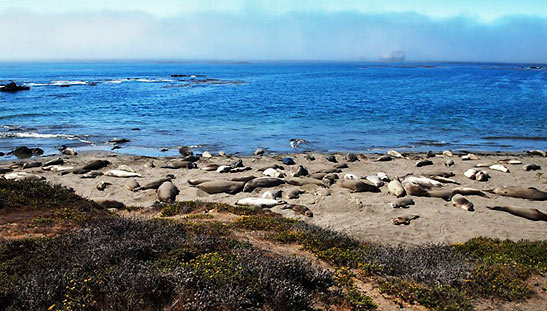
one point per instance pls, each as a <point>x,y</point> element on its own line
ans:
<point>12,87</point>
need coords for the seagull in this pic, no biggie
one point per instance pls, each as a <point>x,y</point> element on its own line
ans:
<point>296,141</point>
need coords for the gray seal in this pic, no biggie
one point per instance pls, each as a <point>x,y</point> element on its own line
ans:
<point>528,213</point>
<point>220,186</point>
<point>530,193</point>
<point>402,202</point>
<point>167,192</point>
<point>462,202</point>
<point>262,182</point>
<point>358,186</point>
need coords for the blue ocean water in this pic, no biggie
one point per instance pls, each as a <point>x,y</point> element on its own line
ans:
<point>237,107</point>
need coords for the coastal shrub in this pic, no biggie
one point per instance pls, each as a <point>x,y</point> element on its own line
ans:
<point>438,298</point>
<point>125,264</point>
<point>187,207</point>
<point>531,254</point>
<point>40,195</point>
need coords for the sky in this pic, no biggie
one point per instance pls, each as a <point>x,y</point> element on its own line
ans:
<point>426,30</point>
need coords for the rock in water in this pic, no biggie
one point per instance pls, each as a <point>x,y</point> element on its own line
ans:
<point>167,192</point>
<point>13,87</point>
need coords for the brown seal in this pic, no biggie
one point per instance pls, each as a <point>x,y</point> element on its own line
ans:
<point>528,213</point>
<point>530,193</point>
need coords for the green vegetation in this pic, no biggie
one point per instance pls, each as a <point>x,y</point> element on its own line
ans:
<point>187,207</point>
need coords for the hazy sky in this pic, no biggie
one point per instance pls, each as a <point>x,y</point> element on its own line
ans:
<point>456,30</point>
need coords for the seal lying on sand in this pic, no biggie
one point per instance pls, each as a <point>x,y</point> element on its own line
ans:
<point>357,186</point>
<point>404,220</point>
<point>258,202</point>
<point>180,164</point>
<point>462,202</point>
<point>528,213</point>
<point>299,209</point>
<point>167,192</point>
<point>530,193</point>
<point>96,165</point>
<point>155,184</point>
<point>396,188</point>
<point>402,202</point>
<point>121,174</point>
<point>220,186</point>
<point>262,182</point>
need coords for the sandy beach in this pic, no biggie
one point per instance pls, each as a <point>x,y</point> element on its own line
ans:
<point>365,215</point>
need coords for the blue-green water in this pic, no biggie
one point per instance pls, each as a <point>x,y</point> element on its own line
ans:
<point>237,107</point>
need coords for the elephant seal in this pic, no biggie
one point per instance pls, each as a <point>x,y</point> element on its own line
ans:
<point>310,157</point>
<point>424,163</point>
<point>210,167</point>
<point>96,165</point>
<point>23,176</point>
<point>469,191</point>
<point>412,188</point>
<point>530,193</point>
<point>293,193</point>
<point>121,174</point>
<point>404,220</point>
<point>262,182</point>
<point>357,186</point>
<point>259,151</point>
<point>375,180</point>
<point>351,157</point>
<point>299,209</point>
<point>132,185</point>
<point>155,184</point>
<point>243,178</point>
<point>383,177</point>
<point>288,161</point>
<point>423,181</point>
<point>224,169</point>
<point>537,152</point>
<point>395,154</point>
<point>258,202</point>
<point>384,158</point>
<point>332,159</point>
<point>180,164</point>
<point>273,173</point>
<point>442,194</point>
<point>220,186</point>
<point>531,167</point>
<point>462,202</point>
<point>102,185</point>
<point>31,164</point>
<point>350,177</point>
<point>272,195</point>
<point>528,213</point>
<point>448,153</point>
<point>167,192</point>
<point>300,171</point>
<point>445,180</point>
<point>396,188</point>
<point>318,175</point>
<point>341,165</point>
<point>57,161</point>
<point>195,182</point>
<point>274,166</point>
<point>402,202</point>
<point>91,174</point>
<point>469,156</point>
<point>439,173</point>
<point>499,167</point>
<point>304,181</point>
<point>449,162</point>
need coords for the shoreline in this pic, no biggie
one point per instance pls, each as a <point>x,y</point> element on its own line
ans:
<point>364,215</point>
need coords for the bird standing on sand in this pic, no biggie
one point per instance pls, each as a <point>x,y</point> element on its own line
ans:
<point>295,142</point>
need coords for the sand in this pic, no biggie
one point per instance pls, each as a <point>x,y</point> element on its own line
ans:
<point>367,216</point>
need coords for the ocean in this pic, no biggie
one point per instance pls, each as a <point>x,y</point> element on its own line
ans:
<point>239,106</point>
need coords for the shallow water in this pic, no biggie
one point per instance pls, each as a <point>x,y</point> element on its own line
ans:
<point>237,107</point>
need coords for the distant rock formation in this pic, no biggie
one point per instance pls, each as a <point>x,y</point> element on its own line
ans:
<point>395,56</point>
<point>12,87</point>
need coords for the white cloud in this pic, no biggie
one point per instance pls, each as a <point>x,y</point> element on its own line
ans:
<point>252,35</point>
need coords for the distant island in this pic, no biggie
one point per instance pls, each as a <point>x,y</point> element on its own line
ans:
<point>394,56</point>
